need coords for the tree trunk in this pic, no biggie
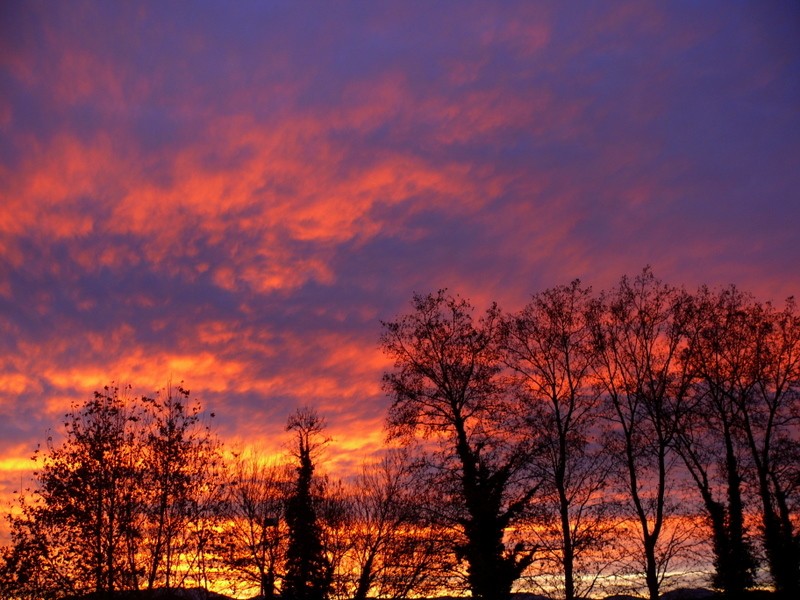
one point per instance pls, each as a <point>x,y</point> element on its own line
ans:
<point>364,579</point>
<point>568,551</point>
<point>490,574</point>
<point>789,548</point>
<point>741,564</point>
<point>651,567</point>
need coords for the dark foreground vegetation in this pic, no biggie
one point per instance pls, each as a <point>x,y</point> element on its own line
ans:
<point>203,594</point>
<point>589,443</point>
<point>154,594</point>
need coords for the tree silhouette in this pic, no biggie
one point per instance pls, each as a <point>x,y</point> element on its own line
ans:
<point>391,548</point>
<point>74,530</point>
<point>110,503</point>
<point>253,536</point>
<point>639,339</point>
<point>548,346</point>
<point>445,388</point>
<point>181,456</point>
<point>308,570</point>
<point>709,439</point>
<point>770,416</point>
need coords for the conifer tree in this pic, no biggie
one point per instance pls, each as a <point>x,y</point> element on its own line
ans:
<point>308,570</point>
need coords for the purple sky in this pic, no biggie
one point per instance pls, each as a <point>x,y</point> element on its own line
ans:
<point>234,194</point>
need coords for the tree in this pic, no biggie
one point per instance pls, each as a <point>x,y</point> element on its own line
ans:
<point>639,337</point>
<point>254,532</point>
<point>308,569</point>
<point>445,388</point>
<point>709,438</point>
<point>548,345</point>
<point>181,455</point>
<point>73,531</point>
<point>770,409</point>
<point>112,499</point>
<point>391,548</point>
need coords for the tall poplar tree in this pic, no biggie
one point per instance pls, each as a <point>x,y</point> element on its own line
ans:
<point>548,346</point>
<point>709,439</point>
<point>640,336</point>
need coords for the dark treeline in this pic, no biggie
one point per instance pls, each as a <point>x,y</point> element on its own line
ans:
<point>589,442</point>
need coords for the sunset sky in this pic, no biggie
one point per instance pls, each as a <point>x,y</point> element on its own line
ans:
<point>235,194</point>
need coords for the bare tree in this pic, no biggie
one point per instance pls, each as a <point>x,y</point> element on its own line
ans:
<point>709,440</point>
<point>548,345</point>
<point>254,534</point>
<point>639,331</point>
<point>445,389</point>
<point>770,412</point>
<point>391,548</point>
<point>181,456</point>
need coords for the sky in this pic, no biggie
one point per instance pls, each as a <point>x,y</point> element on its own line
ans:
<point>234,195</point>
